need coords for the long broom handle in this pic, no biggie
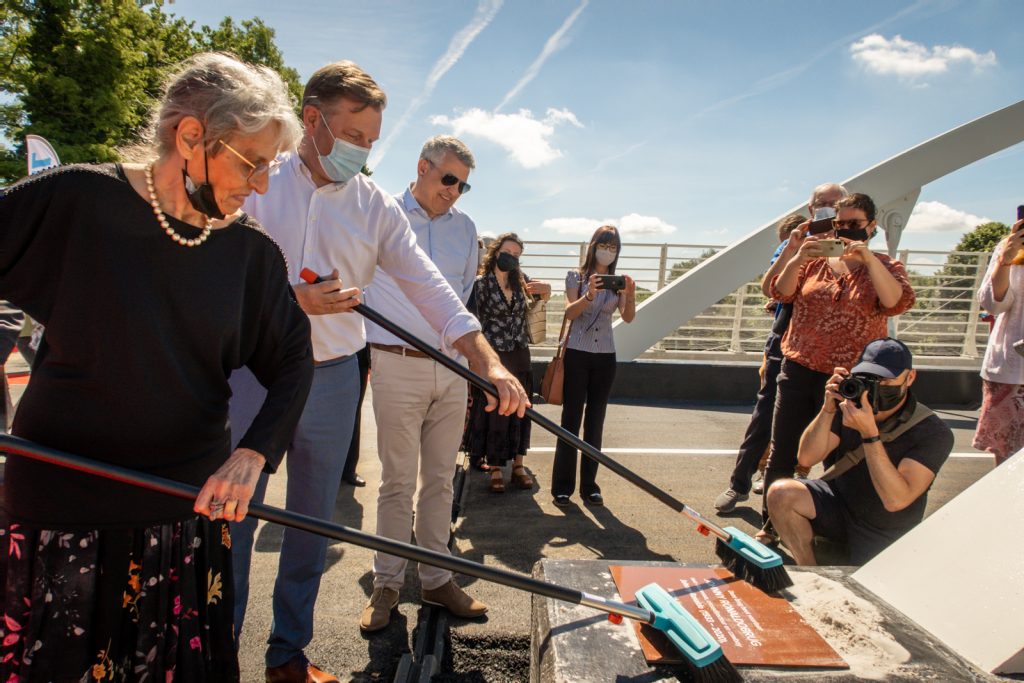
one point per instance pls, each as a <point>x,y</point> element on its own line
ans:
<point>563,434</point>
<point>22,447</point>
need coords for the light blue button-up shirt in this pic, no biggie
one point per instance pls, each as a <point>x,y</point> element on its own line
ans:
<point>450,241</point>
<point>363,232</point>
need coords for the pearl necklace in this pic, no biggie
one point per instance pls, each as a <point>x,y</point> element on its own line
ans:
<point>162,219</point>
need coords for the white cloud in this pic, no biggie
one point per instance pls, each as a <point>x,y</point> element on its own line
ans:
<point>485,11</point>
<point>554,43</point>
<point>631,225</point>
<point>905,58</point>
<point>937,217</point>
<point>527,140</point>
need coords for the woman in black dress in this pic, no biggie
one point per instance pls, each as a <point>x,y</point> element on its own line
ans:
<point>153,287</point>
<point>501,296</point>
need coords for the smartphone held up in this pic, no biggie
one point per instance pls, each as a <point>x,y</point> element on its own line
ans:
<point>822,221</point>
<point>830,248</point>
<point>1018,260</point>
<point>613,283</point>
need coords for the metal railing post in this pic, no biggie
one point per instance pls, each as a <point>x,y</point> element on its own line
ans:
<point>662,266</point>
<point>894,323</point>
<point>970,347</point>
<point>735,345</point>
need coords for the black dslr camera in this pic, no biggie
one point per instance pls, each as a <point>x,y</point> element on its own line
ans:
<point>855,385</point>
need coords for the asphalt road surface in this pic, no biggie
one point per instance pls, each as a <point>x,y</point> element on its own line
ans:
<point>686,449</point>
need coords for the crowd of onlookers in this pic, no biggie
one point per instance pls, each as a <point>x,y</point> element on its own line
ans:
<point>184,337</point>
<point>835,388</point>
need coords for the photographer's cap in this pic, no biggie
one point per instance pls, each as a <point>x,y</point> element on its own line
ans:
<point>886,358</point>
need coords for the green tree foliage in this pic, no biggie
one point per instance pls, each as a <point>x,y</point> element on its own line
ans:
<point>85,74</point>
<point>959,275</point>
<point>985,237</point>
<point>681,267</point>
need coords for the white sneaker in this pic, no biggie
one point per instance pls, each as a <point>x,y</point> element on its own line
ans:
<point>758,486</point>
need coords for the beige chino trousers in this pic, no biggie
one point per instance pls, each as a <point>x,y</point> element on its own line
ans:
<point>420,408</point>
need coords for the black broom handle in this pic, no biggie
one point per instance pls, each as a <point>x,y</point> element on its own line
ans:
<point>22,447</point>
<point>561,433</point>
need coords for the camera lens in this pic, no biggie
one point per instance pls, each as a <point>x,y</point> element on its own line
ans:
<point>852,387</point>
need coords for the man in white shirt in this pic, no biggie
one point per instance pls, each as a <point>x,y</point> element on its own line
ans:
<point>420,406</point>
<point>329,217</point>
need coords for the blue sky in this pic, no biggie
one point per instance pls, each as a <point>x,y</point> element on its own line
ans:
<point>685,121</point>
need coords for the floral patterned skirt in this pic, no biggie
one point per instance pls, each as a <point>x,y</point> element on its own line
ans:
<point>149,604</point>
<point>1000,428</point>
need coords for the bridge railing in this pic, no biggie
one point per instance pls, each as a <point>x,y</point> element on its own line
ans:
<point>945,320</point>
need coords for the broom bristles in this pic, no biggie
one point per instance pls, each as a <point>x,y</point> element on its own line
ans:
<point>719,671</point>
<point>768,580</point>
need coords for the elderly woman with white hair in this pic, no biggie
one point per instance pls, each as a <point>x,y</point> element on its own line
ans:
<point>153,287</point>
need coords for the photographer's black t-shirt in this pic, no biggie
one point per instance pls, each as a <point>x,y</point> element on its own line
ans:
<point>929,442</point>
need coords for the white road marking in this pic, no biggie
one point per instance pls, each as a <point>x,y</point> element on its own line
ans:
<point>710,451</point>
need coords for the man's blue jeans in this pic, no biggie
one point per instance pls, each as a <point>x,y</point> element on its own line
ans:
<point>315,462</point>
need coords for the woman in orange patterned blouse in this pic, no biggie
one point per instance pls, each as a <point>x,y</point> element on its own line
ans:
<point>839,305</point>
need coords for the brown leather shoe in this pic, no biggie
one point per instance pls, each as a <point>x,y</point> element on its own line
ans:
<point>377,613</point>
<point>297,670</point>
<point>455,600</point>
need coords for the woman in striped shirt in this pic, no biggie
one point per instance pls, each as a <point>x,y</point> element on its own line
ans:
<point>590,359</point>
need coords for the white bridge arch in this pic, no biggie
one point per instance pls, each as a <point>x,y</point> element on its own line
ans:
<point>894,184</point>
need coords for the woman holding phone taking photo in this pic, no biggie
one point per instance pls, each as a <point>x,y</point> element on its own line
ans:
<point>1000,428</point>
<point>839,305</point>
<point>592,295</point>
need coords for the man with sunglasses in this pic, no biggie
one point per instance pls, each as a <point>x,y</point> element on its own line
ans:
<point>328,216</point>
<point>420,406</point>
<point>840,303</point>
<point>886,449</point>
<point>753,452</point>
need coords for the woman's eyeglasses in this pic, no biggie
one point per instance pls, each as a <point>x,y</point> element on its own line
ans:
<point>255,170</point>
<point>608,247</point>
<point>851,224</point>
<point>449,179</point>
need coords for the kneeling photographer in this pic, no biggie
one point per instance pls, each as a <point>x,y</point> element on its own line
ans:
<point>886,449</point>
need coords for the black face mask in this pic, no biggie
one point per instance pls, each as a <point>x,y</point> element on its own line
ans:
<point>855,234</point>
<point>507,262</point>
<point>201,198</point>
<point>888,397</point>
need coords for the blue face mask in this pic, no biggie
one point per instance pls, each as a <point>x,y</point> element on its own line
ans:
<point>345,160</point>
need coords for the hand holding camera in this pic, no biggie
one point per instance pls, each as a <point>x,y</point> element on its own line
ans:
<point>855,397</point>
<point>1013,247</point>
<point>810,248</point>
<point>822,221</point>
<point>613,283</point>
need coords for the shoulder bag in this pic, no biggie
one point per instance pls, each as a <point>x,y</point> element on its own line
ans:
<point>537,321</point>
<point>554,376</point>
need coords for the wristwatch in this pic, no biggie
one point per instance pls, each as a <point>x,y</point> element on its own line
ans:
<point>870,439</point>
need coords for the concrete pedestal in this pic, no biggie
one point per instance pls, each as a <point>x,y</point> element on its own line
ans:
<point>574,644</point>
<point>960,573</point>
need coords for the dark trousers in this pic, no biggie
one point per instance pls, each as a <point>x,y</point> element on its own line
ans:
<point>800,394</point>
<point>363,357</point>
<point>759,431</point>
<point>588,380</point>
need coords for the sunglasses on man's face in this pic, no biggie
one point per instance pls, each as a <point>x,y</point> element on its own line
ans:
<point>449,179</point>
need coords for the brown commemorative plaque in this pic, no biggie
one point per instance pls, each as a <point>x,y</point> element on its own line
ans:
<point>752,627</point>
